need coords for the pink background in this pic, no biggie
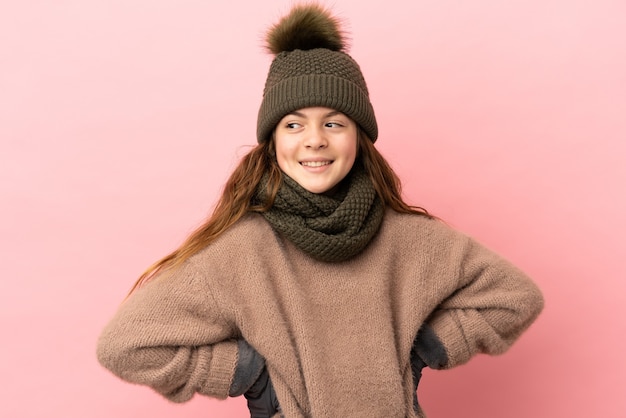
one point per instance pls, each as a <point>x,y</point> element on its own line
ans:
<point>120,120</point>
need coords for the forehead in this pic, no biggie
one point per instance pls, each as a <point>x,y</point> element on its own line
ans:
<point>315,112</point>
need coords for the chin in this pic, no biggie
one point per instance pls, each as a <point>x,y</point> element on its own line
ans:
<point>317,189</point>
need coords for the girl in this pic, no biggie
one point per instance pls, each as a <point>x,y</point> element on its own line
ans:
<point>314,290</point>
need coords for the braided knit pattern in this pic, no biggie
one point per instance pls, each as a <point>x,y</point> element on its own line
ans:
<point>315,61</point>
<point>327,228</point>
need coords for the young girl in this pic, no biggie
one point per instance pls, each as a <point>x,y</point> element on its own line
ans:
<point>314,290</point>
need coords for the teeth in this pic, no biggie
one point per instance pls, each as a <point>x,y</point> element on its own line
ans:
<point>315,163</point>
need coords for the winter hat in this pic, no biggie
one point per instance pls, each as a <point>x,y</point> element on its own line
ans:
<point>312,68</point>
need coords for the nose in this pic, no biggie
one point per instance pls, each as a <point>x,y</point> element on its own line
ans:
<point>315,138</point>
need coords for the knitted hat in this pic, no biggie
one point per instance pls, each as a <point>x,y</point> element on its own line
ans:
<point>311,68</point>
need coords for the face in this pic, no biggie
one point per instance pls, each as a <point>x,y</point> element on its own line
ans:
<point>316,146</point>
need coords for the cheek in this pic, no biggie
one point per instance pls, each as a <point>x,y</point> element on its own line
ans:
<point>282,154</point>
<point>351,150</point>
<point>281,161</point>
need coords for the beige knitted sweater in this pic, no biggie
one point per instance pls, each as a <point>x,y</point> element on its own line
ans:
<point>336,336</point>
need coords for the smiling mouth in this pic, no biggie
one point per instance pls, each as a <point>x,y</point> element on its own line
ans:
<point>315,163</point>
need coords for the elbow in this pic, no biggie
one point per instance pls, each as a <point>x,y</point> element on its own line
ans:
<point>123,356</point>
<point>524,312</point>
<point>532,303</point>
<point>139,366</point>
<point>111,355</point>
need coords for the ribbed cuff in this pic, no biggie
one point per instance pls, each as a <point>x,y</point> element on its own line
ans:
<point>221,370</point>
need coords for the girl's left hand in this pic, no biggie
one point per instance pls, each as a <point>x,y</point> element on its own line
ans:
<point>262,401</point>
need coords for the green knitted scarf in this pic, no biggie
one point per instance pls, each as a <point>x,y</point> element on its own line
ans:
<point>329,228</point>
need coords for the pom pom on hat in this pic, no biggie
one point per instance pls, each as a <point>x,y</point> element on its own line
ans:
<point>306,27</point>
<point>312,68</point>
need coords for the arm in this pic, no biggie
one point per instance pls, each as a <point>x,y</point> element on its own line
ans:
<point>493,304</point>
<point>171,336</point>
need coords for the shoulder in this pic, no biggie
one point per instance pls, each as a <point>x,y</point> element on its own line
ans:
<point>435,240</point>
<point>251,226</point>
<point>249,236</point>
<point>406,235</point>
<point>419,227</point>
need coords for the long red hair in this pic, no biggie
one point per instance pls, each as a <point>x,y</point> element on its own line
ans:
<point>237,198</point>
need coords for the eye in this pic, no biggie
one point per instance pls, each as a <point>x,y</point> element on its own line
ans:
<point>292,125</point>
<point>333,125</point>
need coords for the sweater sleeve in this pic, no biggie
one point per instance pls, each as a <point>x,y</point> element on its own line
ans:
<point>493,304</point>
<point>170,335</point>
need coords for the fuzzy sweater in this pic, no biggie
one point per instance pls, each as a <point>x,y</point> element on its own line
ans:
<point>336,337</point>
